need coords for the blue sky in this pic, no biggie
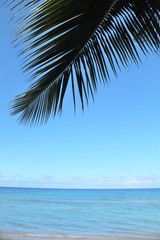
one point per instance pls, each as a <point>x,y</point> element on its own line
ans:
<point>114,143</point>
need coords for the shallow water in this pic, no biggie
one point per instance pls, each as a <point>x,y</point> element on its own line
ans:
<point>27,236</point>
<point>79,214</point>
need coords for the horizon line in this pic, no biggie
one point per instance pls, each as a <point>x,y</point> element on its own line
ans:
<point>49,188</point>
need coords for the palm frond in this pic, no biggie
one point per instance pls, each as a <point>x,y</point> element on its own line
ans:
<point>78,41</point>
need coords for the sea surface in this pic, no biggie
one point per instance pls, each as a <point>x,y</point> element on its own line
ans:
<point>39,214</point>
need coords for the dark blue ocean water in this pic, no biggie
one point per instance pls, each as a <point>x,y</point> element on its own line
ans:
<point>48,213</point>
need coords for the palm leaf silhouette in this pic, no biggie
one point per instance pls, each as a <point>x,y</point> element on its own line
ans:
<point>78,42</point>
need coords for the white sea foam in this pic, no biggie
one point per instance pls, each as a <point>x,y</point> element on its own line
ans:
<point>31,236</point>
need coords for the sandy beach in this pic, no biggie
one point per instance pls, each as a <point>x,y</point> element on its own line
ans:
<point>67,238</point>
<point>22,236</point>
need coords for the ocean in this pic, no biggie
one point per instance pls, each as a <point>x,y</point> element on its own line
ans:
<point>39,214</point>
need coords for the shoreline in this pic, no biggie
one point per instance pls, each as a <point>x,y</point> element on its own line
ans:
<point>31,236</point>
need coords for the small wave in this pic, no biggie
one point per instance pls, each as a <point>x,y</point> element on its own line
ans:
<point>35,236</point>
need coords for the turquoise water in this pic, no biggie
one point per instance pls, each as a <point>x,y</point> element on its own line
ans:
<point>51,213</point>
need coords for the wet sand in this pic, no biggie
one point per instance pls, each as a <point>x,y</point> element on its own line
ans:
<point>78,238</point>
<point>23,236</point>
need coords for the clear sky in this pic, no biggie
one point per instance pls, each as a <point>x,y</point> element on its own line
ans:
<point>114,143</point>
